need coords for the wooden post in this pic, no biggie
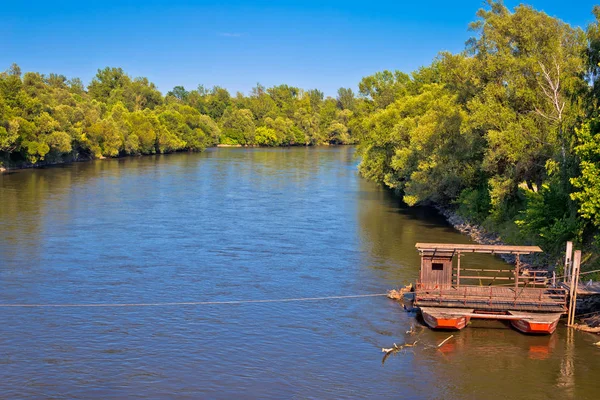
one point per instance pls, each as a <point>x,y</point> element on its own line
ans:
<point>568,262</point>
<point>571,292</point>
<point>517,267</point>
<point>421,269</point>
<point>458,271</point>
<point>573,287</point>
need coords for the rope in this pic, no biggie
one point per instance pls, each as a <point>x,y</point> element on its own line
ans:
<point>188,303</point>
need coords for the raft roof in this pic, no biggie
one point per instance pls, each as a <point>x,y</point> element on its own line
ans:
<point>476,248</point>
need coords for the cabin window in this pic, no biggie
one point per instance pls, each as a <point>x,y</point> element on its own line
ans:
<point>437,267</point>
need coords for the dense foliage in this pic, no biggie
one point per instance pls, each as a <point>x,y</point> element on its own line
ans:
<point>52,119</point>
<point>506,132</point>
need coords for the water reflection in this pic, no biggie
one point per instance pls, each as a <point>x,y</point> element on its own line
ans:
<point>389,230</point>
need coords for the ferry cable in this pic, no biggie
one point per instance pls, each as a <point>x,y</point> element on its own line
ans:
<point>202,303</point>
<point>187,303</point>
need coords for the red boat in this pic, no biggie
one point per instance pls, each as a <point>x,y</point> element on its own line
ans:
<point>446,318</point>
<point>544,324</point>
<point>458,318</point>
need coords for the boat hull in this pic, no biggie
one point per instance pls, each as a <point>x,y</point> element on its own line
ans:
<point>446,319</point>
<point>458,318</point>
<point>543,324</point>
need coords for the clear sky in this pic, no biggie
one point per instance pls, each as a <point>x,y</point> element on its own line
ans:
<point>235,44</point>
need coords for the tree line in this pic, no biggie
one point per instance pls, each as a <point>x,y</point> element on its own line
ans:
<point>507,132</point>
<point>53,119</point>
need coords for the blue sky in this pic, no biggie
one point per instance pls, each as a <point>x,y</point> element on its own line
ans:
<point>235,44</point>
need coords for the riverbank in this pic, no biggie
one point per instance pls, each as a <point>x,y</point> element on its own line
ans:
<point>76,158</point>
<point>16,166</point>
<point>479,234</point>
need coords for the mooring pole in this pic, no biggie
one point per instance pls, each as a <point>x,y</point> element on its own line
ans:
<point>568,262</point>
<point>458,270</point>
<point>573,287</point>
<point>517,267</point>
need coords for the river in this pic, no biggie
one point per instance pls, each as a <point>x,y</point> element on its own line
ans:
<point>241,224</point>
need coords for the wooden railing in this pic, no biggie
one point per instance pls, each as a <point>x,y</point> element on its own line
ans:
<point>534,278</point>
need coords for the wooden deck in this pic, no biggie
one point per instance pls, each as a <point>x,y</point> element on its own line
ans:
<point>584,289</point>
<point>493,298</point>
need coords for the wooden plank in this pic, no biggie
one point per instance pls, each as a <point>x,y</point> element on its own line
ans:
<point>487,300</point>
<point>568,262</point>
<point>575,280</point>
<point>537,318</point>
<point>490,278</point>
<point>477,248</point>
<point>446,311</point>
<point>585,289</point>
<point>458,270</point>
<point>488,270</point>
<point>546,298</point>
<point>495,289</point>
<point>497,306</point>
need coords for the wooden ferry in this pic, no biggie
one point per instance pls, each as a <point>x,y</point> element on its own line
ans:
<point>449,296</point>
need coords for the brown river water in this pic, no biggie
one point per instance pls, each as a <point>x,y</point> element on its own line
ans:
<point>242,224</point>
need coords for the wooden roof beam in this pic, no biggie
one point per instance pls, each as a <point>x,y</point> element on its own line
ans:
<point>477,248</point>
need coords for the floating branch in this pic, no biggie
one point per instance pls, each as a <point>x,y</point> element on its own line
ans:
<point>444,341</point>
<point>396,349</point>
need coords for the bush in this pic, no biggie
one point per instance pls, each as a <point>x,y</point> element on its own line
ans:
<point>474,204</point>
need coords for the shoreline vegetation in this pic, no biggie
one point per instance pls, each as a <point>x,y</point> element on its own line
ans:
<point>52,119</point>
<point>70,160</point>
<point>503,137</point>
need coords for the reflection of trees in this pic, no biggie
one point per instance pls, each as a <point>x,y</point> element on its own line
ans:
<point>35,203</point>
<point>22,207</point>
<point>389,232</point>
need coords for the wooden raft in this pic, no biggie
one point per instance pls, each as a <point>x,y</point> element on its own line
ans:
<point>443,283</point>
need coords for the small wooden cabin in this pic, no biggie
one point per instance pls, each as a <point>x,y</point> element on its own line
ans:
<point>436,268</point>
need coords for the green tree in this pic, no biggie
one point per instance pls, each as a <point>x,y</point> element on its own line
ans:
<point>238,127</point>
<point>383,88</point>
<point>346,99</point>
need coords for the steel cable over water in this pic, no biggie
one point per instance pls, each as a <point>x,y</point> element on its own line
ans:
<point>203,303</point>
<point>190,303</point>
